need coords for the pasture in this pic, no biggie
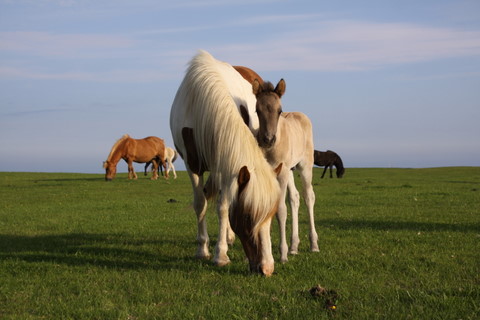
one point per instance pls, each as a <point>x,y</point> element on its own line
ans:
<point>394,244</point>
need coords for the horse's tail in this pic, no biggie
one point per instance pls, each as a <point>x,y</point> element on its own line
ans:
<point>175,154</point>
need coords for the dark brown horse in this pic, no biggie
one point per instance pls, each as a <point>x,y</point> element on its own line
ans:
<point>135,150</point>
<point>329,159</point>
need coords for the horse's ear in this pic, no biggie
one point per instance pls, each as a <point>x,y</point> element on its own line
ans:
<point>278,169</point>
<point>280,88</point>
<point>104,164</point>
<point>243,178</point>
<point>256,87</point>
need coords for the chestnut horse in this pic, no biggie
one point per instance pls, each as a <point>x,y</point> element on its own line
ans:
<point>210,135</point>
<point>329,159</point>
<point>135,150</point>
<point>170,157</point>
<point>285,137</point>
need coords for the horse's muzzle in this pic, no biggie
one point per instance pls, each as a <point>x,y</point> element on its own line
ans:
<point>267,142</point>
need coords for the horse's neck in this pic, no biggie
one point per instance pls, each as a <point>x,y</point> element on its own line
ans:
<point>118,153</point>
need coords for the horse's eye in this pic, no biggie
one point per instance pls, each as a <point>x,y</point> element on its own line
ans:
<point>280,112</point>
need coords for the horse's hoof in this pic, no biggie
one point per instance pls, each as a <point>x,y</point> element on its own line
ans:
<point>202,257</point>
<point>222,262</point>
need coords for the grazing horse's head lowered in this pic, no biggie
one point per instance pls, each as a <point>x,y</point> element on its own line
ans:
<point>210,135</point>
<point>268,108</point>
<point>110,170</point>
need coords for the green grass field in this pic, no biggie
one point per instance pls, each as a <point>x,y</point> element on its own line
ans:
<point>395,244</point>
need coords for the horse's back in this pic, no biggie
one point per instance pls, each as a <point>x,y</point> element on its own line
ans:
<point>295,143</point>
<point>248,74</point>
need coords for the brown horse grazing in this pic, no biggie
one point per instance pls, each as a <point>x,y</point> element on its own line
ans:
<point>286,137</point>
<point>329,159</point>
<point>135,150</point>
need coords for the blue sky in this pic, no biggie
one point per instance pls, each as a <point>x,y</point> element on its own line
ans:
<point>385,83</point>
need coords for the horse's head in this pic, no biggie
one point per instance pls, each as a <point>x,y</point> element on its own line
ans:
<point>269,108</point>
<point>340,171</point>
<point>254,234</point>
<point>110,170</point>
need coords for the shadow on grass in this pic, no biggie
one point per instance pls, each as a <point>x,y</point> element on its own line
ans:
<point>69,179</point>
<point>105,251</point>
<point>400,225</point>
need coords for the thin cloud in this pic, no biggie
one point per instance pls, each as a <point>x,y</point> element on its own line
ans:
<point>354,45</point>
<point>49,44</point>
<point>311,45</point>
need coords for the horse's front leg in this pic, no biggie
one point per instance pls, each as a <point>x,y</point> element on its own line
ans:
<point>282,216</point>
<point>200,207</point>
<point>294,197</point>
<point>131,170</point>
<point>331,171</point>
<point>221,258</point>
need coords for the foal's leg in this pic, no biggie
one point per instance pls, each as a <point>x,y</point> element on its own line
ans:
<point>309,196</point>
<point>282,215</point>
<point>200,207</point>
<point>294,198</point>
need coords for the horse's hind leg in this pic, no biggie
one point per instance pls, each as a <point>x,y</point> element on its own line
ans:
<point>324,170</point>
<point>200,207</point>
<point>309,196</point>
<point>294,198</point>
<point>173,168</point>
<point>155,164</point>
<point>282,215</point>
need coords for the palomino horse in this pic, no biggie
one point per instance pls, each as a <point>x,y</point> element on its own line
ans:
<point>210,135</point>
<point>135,150</point>
<point>329,159</point>
<point>170,157</point>
<point>286,137</point>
